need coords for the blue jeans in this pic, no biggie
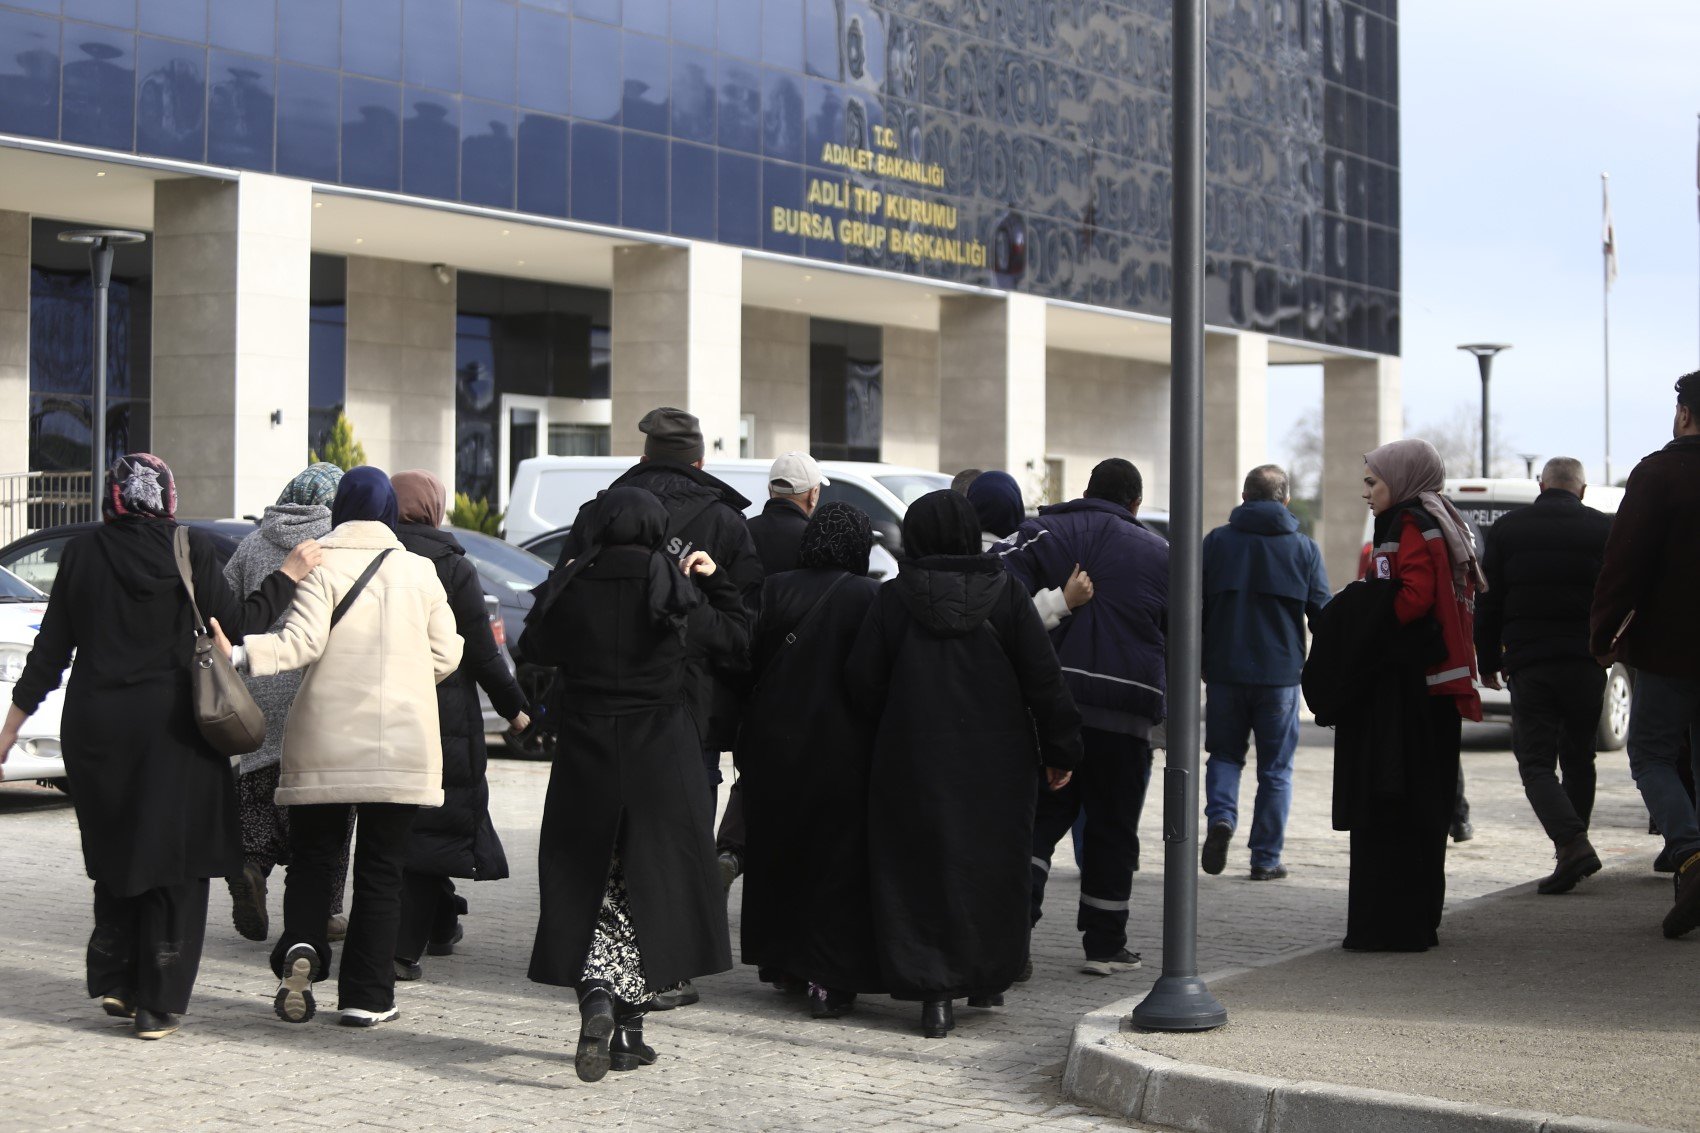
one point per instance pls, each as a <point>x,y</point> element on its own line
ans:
<point>1664,714</point>
<point>1233,715</point>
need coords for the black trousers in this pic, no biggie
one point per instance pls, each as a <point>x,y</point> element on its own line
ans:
<point>147,948</point>
<point>731,837</point>
<point>367,977</point>
<point>430,908</point>
<point>1555,716</point>
<point>1109,785</point>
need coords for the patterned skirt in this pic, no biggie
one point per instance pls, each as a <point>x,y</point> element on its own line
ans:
<point>614,955</point>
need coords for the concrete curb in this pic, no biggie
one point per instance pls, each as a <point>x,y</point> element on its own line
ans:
<point>1114,1077</point>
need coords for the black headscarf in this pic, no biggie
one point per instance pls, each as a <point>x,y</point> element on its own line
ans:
<point>622,517</point>
<point>364,493</point>
<point>941,523</point>
<point>838,535</point>
<point>997,500</point>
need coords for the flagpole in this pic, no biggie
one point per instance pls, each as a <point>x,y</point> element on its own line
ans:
<point>1606,252</point>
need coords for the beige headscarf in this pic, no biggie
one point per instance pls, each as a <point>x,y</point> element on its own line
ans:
<point>1413,470</point>
<point>420,497</point>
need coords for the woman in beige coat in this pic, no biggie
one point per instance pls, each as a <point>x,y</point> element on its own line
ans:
<point>374,630</point>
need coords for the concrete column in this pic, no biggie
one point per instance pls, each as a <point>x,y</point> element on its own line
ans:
<point>909,428</point>
<point>400,395</point>
<point>14,342</point>
<point>230,293</point>
<point>1236,418</point>
<point>1360,410</point>
<point>775,383</point>
<point>992,386</point>
<point>1098,406</point>
<point>677,340</point>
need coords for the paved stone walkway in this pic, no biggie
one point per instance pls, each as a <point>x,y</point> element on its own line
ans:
<point>478,1047</point>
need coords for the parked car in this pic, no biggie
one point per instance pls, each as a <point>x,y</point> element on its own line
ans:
<point>508,575</point>
<point>35,557</point>
<point>37,755</point>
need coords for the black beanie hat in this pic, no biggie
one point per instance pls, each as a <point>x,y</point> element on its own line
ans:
<point>671,435</point>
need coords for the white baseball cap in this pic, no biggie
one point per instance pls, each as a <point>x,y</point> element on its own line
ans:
<point>796,473</point>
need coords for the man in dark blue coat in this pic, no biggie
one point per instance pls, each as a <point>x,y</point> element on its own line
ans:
<point>1112,654</point>
<point>1262,579</point>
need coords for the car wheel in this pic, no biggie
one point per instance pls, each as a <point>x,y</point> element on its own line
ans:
<point>1614,712</point>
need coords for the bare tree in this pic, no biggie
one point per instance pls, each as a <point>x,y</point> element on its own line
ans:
<point>1304,458</point>
<point>1458,438</point>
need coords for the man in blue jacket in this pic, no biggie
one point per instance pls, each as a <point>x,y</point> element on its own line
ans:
<point>1262,579</point>
<point>1112,653</point>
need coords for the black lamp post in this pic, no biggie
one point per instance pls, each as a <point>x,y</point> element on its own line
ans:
<point>100,243</point>
<point>1484,352</point>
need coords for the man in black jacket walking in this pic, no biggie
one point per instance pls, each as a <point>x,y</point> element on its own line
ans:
<point>793,487</point>
<point>1541,563</point>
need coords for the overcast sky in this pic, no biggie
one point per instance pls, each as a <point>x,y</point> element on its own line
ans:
<point>1510,111</point>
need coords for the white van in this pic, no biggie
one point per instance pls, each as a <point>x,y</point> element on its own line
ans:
<point>548,491</point>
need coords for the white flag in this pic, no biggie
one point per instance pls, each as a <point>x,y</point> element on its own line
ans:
<point>1608,237</point>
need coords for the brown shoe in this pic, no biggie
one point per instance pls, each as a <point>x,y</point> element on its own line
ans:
<point>1685,914</point>
<point>248,902</point>
<point>336,928</point>
<point>1576,860</point>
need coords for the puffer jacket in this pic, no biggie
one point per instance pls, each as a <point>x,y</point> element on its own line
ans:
<point>1410,551</point>
<point>261,552</point>
<point>364,727</point>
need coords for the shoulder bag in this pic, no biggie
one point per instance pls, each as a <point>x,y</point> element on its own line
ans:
<point>225,712</point>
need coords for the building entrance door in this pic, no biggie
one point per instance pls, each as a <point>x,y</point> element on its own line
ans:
<point>525,428</point>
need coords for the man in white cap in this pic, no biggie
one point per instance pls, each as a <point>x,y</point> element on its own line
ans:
<point>793,488</point>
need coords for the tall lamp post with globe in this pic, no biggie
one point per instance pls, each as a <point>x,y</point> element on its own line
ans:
<point>1484,352</point>
<point>101,243</point>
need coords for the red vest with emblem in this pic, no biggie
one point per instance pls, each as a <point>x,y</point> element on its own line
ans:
<point>1418,559</point>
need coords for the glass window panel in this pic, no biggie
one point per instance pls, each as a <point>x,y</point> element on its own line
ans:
<point>371,133</point>
<point>29,74</point>
<point>59,434</point>
<point>595,173</point>
<point>820,49</point>
<point>171,99</point>
<point>430,38</point>
<point>608,11</point>
<point>740,28</point>
<point>430,144</point>
<point>693,191</point>
<point>543,53</point>
<point>100,86</point>
<point>245,25</point>
<point>782,33</point>
<point>648,79</point>
<point>781,189</point>
<point>823,110</point>
<point>595,73</point>
<point>740,106</point>
<point>649,16</point>
<point>643,183</point>
<point>180,19</point>
<point>782,115</point>
<point>487,49</point>
<point>693,22</point>
<point>371,38</point>
<point>487,154</point>
<point>739,193</point>
<point>693,95</point>
<point>118,13</point>
<point>37,5</point>
<point>307,121</point>
<point>543,145</point>
<point>240,110</point>
<point>307,32</point>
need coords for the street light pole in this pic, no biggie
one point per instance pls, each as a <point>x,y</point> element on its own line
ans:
<point>1180,1001</point>
<point>100,242</point>
<point>1484,352</point>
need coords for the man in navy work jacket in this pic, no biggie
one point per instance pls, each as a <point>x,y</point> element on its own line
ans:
<point>1262,579</point>
<point>1112,653</point>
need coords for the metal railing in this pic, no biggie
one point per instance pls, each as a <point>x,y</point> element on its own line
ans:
<point>30,501</point>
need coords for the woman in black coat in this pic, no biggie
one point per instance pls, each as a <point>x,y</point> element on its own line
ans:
<point>156,804</point>
<point>456,839</point>
<point>803,758</point>
<point>957,670</point>
<point>631,900</point>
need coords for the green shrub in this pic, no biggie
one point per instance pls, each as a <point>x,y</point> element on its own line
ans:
<point>475,515</point>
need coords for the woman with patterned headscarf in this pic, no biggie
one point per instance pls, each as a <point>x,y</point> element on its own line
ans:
<point>302,513</point>
<point>156,804</point>
<point>803,757</point>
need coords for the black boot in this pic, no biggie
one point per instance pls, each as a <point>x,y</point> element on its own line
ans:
<point>830,1003</point>
<point>937,1018</point>
<point>986,1000</point>
<point>1576,860</point>
<point>628,1051</point>
<point>596,1025</point>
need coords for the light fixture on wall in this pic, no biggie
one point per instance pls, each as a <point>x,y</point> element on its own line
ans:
<point>443,274</point>
<point>277,417</point>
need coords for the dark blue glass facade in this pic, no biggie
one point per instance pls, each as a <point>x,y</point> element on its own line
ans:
<point>1020,144</point>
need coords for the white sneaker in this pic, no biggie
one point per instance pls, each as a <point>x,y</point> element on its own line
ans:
<point>360,1017</point>
<point>1123,961</point>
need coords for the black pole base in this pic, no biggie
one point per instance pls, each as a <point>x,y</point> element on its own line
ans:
<point>1179,1003</point>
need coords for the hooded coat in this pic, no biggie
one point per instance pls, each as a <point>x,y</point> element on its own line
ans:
<point>156,805</point>
<point>261,553</point>
<point>458,839</point>
<point>957,676</point>
<point>1262,579</point>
